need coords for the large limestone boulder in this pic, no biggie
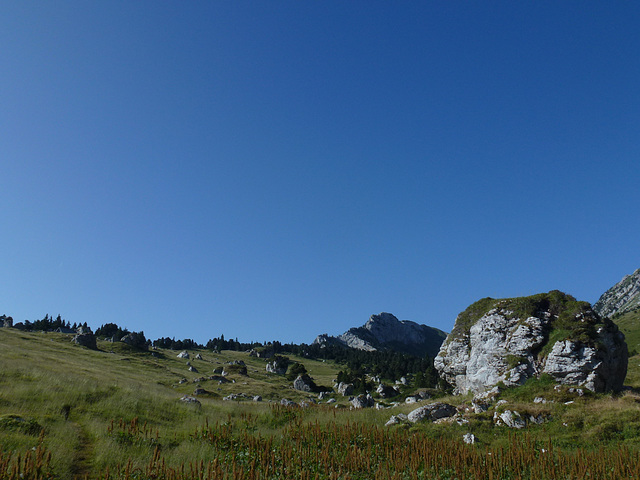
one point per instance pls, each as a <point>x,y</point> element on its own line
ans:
<point>511,340</point>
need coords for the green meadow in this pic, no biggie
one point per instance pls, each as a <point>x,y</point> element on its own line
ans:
<point>70,412</point>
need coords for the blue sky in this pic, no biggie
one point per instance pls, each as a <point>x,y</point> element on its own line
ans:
<point>277,170</point>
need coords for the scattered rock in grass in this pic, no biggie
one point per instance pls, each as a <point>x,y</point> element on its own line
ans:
<point>345,389</point>
<point>200,391</point>
<point>362,401</point>
<point>135,339</point>
<point>189,399</point>
<point>396,419</point>
<point>469,438</point>
<point>198,357</point>
<point>387,391</point>
<point>411,399</point>
<point>235,396</point>
<point>257,398</point>
<point>432,412</point>
<point>577,391</point>
<point>235,369</point>
<point>479,407</point>
<point>288,403</point>
<point>182,380</point>
<point>510,419</point>
<point>501,402</point>
<point>278,366</point>
<point>193,369</point>
<point>220,379</point>
<point>183,354</point>
<point>538,420</point>
<point>304,383</point>
<point>539,400</point>
<point>87,340</point>
<point>331,400</point>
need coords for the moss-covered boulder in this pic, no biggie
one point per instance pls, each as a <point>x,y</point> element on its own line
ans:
<point>510,340</point>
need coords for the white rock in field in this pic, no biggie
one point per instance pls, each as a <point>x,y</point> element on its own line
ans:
<point>432,412</point>
<point>469,438</point>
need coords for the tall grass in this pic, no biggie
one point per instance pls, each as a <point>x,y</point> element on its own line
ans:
<point>313,450</point>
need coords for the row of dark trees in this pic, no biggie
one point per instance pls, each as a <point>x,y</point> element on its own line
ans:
<point>47,324</point>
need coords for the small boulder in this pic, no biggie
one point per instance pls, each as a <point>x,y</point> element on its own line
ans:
<point>362,401</point>
<point>278,365</point>
<point>288,403</point>
<point>235,369</point>
<point>86,340</point>
<point>396,419</point>
<point>345,389</point>
<point>469,438</point>
<point>432,412</point>
<point>188,399</point>
<point>257,398</point>
<point>304,383</point>
<point>183,354</point>
<point>198,357</point>
<point>386,391</point>
<point>136,340</point>
<point>510,419</point>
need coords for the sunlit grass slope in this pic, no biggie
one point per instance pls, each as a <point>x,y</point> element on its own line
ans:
<point>116,413</point>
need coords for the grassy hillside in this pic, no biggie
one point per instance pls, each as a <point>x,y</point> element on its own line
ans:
<point>629,324</point>
<point>116,413</point>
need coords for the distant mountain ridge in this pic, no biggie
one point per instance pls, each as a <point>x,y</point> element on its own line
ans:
<point>623,297</point>
<point>385,331</point>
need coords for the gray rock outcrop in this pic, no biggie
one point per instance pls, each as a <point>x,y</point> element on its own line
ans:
<point>362,401</point>
<point>385,331</point>
<point>135,339</point>
<point>304,383</point>
<point>511,340</point>
<point>345,389</point>
<point>86,340</point>
<point>387,391</point>
<point>278,365</point>
<point>623,297</point>
<point>432,412</point>
<point>189,399</point>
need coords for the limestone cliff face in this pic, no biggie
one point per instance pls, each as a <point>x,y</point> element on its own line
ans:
<point>386,331</point>
<point>511,340</point>
<point>623,297</point>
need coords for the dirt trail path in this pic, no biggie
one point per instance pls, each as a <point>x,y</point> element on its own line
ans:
<point>82,460</point>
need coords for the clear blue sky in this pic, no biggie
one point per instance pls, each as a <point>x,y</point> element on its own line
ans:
<point>277,170</point>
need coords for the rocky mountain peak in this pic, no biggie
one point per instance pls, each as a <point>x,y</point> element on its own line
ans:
<point>385,331</point>
<point>623,297</point>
